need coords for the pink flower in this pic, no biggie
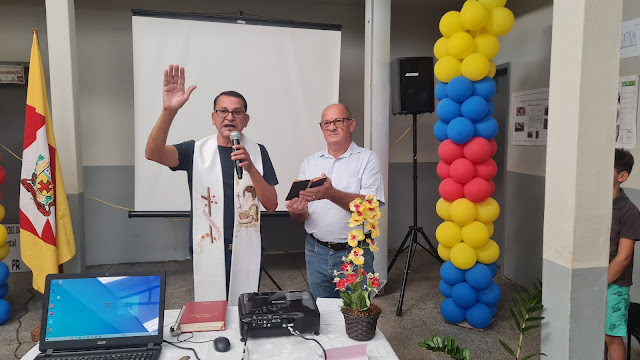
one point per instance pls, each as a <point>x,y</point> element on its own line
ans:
<point>345,267</point>
<point>341,284</point>
<point>350,278</point>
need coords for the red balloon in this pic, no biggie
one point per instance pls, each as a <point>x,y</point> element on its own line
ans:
<point>492,185</point>
<point>462,170</point>
<point>487,170</point>
<point>3,175</point>
<point>477,150</point>
<point>450,151</point>
<point>443,170</point>
<point>494,146</point>
<point>477,190</point>
<point>451,190</point>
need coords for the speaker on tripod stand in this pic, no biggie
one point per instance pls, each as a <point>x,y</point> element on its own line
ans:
<point>412,93</point>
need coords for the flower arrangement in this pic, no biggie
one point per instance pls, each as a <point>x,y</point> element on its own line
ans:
<point>353,282</point>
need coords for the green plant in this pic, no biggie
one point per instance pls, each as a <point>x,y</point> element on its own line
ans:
<point>448,345</point>
<point>526,304</point>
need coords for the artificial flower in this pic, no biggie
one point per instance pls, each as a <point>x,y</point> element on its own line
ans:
<point>372,246</point>
<point>375,282</point>
<point>346,267</point>
<point>350,278</point>
<point>355,236</point>
<point>356,256</point>
<point>341,284</point>
<point>373,226</point>
<point>356,205</point>
<point>356,220</point>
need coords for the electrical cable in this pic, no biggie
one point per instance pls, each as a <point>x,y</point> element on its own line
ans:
<point>20,323</point>
<point>182,347</point>
<point>296,333</point>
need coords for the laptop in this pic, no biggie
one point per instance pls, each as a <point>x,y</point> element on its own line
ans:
<point>113,315</point>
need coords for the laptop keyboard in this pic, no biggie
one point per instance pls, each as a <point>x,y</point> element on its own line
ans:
<point>125,356</point>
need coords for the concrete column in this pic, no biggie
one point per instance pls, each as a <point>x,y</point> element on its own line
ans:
<point>63,80</point>
<point>578,198</point>
<point>376,103</point>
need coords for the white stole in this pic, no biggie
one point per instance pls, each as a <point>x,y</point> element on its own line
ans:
<point>209,274</point>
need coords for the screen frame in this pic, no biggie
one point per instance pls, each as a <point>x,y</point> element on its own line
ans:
<point>102,343</point>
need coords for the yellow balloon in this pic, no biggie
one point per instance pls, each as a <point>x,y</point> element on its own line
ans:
<point>447,68</point>
<point>463,256</point>
<point>474,15</point>
<point>488,253</point>
<point>463,211</point>
<point>475,234</point>
<point>487,44</point>
<point>448,234</point>
<point>492,69</point>
<point>460,45</point>
<point>487,211</point>
<point>474,67</point>
<point>450,23</point>
<point>444,252</point>
<point>3,234</point>
<point>443,208</point>
<point>4,250</point>
<point>490,228</point>
<point>2,212</point>
<point>500,21</point>
<point>440,49</point>
<point>490,4</point>
<point>475,33</point>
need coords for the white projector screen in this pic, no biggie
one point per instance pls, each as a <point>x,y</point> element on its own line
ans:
<point>287,74</point>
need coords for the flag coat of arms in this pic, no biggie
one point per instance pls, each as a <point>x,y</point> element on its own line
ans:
<point>46,235</point>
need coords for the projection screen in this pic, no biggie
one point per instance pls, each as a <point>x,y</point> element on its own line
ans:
<point>287,73</point>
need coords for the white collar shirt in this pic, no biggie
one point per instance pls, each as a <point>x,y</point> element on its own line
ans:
<point>357,171</point>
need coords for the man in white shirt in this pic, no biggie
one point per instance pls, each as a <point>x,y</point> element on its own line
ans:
<point>351,172</point>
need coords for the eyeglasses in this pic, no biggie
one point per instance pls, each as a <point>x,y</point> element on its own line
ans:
<point>337,122</point>
<point>236,113</point>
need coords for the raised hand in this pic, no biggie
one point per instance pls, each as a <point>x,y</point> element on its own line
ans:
<point>173,92</point>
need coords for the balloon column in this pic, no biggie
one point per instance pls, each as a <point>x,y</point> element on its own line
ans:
<point>5,309</point>
<point>466,130</point>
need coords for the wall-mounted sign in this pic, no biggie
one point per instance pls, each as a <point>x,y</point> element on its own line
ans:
<point>11,74</point>
<point>630,39</point>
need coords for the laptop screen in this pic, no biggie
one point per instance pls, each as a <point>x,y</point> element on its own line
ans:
<point>103,307</point>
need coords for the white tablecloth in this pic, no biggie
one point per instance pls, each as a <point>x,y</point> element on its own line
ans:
<point>332,335</point>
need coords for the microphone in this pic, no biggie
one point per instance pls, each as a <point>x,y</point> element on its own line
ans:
<point>235,140</point>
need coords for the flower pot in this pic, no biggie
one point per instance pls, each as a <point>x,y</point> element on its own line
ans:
<point>361,325</point>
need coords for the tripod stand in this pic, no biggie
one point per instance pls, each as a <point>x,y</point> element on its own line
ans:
<point>413,230</point>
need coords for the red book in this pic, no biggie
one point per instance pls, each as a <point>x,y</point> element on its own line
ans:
<point>203,316</point>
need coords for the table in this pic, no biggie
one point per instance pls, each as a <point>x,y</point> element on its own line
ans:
<point>332,335</point>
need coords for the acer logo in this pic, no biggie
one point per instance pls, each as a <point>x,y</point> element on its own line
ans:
<point>412,74</point>
<point>101,342</point>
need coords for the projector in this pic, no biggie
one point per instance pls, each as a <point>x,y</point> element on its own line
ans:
<point>267,314</point>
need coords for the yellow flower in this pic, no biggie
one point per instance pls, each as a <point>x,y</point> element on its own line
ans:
<point>372,215</point>
<point>356,256</point>
<point>355,236</point>
<point>356,219</point>
<point>356,205</point>
<point>373,226</point>
<point>373,246</point>
<point>372,201</point>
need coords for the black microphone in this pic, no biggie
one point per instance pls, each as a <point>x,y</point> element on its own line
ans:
<point>235,140</point>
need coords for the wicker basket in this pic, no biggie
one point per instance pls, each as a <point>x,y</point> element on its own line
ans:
<point>362,327</point>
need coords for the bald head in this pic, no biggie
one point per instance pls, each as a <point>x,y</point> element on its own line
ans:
<point>337,108</point>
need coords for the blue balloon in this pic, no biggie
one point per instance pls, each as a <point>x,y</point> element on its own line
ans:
<point>494,310</point>
<point>445,289</point>
<point>479,316</point>
<point>491,295</point>
<point>441,91</point>
<point>479,276</point>
<point>4,273</point>
<point>485,88</point>
<point>490,108</point>
<point>451,274</point>
<point>464,295</point>
<point>452,312</point>
<point>494,269</point>
<point>4,289</point>
<point>474,108</point>
<point>440,130</point>
<point>459,89</point>
<point>5,311</point>
<point>460,130</point>
<point>487,128</point>
<point>448,110</point>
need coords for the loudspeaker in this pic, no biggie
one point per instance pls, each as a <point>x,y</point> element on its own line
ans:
<point>412,85</point>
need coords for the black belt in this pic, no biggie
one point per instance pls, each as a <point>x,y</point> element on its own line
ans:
<point>332,246</point>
